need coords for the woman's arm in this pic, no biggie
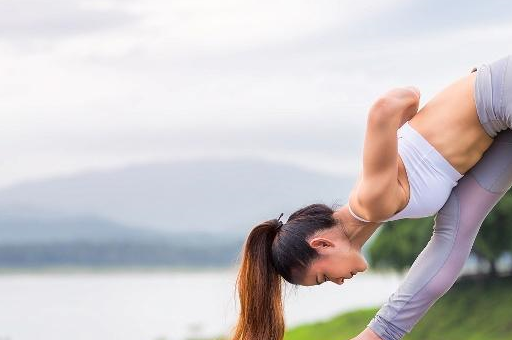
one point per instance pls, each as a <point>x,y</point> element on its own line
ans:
<point>377,194</point>
<point>437,267</point>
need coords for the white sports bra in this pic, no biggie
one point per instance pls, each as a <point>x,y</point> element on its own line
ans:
<point>431,177</point>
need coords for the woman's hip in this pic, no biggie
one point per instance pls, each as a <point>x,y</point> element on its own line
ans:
<point>493,95</point>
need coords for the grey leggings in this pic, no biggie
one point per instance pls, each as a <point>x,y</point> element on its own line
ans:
<point>437,267</point>
<point>493,91</point>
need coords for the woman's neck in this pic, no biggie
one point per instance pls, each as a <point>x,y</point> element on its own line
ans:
<point>357,231</point>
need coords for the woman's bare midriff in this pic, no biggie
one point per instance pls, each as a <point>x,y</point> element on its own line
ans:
<point>449,122</point>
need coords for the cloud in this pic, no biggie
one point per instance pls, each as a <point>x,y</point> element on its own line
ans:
<point>419,19</point>
<point>144,80</point>
<point>30,20</point>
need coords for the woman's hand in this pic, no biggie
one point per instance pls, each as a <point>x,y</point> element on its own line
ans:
<point>403,101</point>
<point>412,109</point>
<point>404,92</point>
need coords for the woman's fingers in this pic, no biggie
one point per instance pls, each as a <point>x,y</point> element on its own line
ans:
<point>404,93</point>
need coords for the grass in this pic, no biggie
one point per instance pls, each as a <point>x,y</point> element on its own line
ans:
<point>470,310</point>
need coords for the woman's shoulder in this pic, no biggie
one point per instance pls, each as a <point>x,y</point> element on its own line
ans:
<point>372,201</point>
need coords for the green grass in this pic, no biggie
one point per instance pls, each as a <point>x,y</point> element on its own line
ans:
<point>470,310</point>
<point>344,326</point>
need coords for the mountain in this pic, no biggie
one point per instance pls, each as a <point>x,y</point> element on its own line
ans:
<point>203,196</point>
<point>42,228</point>
<point>39,239</point>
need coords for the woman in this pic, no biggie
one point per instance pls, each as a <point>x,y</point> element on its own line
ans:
<point>408,177</point>
<point>437,267</point>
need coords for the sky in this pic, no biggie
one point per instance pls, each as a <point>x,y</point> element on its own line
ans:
<point>90,85</point>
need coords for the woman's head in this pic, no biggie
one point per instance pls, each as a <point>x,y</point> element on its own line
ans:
<point>338,258</point>
<point>309,248</point>
<point>313,246</point>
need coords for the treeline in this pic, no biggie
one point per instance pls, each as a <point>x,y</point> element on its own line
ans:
<point>396,246</point>
<point>399,242</point>
<point>124,253</point>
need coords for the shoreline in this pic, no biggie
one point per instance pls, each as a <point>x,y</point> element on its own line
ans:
<point>43,270</point>
<point>110,269</point>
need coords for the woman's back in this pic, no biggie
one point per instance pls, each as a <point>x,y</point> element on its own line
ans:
<point>449,122</point>
<point>444,139</point>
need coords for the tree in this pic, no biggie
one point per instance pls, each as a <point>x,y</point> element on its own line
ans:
<point>495,235</point>
<point>399,242</point>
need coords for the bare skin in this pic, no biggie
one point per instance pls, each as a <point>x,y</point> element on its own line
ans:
<point>449,122</point>
<point>340,250</point>
<point>340,254</point>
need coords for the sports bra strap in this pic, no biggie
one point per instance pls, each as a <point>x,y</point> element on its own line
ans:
<point>355,216</point>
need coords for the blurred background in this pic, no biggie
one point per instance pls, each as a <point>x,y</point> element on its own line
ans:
<point>142,140</point>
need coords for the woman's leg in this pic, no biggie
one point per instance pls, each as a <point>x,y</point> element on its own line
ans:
<point>456,225</point>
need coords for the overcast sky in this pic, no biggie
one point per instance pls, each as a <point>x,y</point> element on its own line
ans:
<point>101,84</point>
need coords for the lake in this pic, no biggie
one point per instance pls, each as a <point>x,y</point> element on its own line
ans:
<point>161,304</point>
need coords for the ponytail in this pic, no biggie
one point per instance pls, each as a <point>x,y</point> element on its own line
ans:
<point>273,253</point>
<point>259,288</point>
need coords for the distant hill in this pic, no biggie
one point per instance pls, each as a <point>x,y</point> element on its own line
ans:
<point>120,253</point>
<point>46,240</point>
<point>208,196</point>
<point>42,228</point>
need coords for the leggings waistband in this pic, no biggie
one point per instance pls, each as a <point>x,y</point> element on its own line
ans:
<point>493,96</point>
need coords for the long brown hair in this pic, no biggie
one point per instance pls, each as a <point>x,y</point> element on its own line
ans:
<point>272,253</point>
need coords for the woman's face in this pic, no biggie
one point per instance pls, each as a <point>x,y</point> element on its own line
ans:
<point>338,259</point>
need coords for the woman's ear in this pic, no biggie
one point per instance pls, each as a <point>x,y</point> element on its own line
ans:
<point>321,244</point>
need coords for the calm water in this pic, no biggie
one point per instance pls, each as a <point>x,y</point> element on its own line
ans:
<point>170,305</point>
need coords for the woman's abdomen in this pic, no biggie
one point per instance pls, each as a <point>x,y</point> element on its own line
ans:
<point>449,122</point>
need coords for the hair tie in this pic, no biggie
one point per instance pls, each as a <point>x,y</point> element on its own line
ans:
<point>279,223</point>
